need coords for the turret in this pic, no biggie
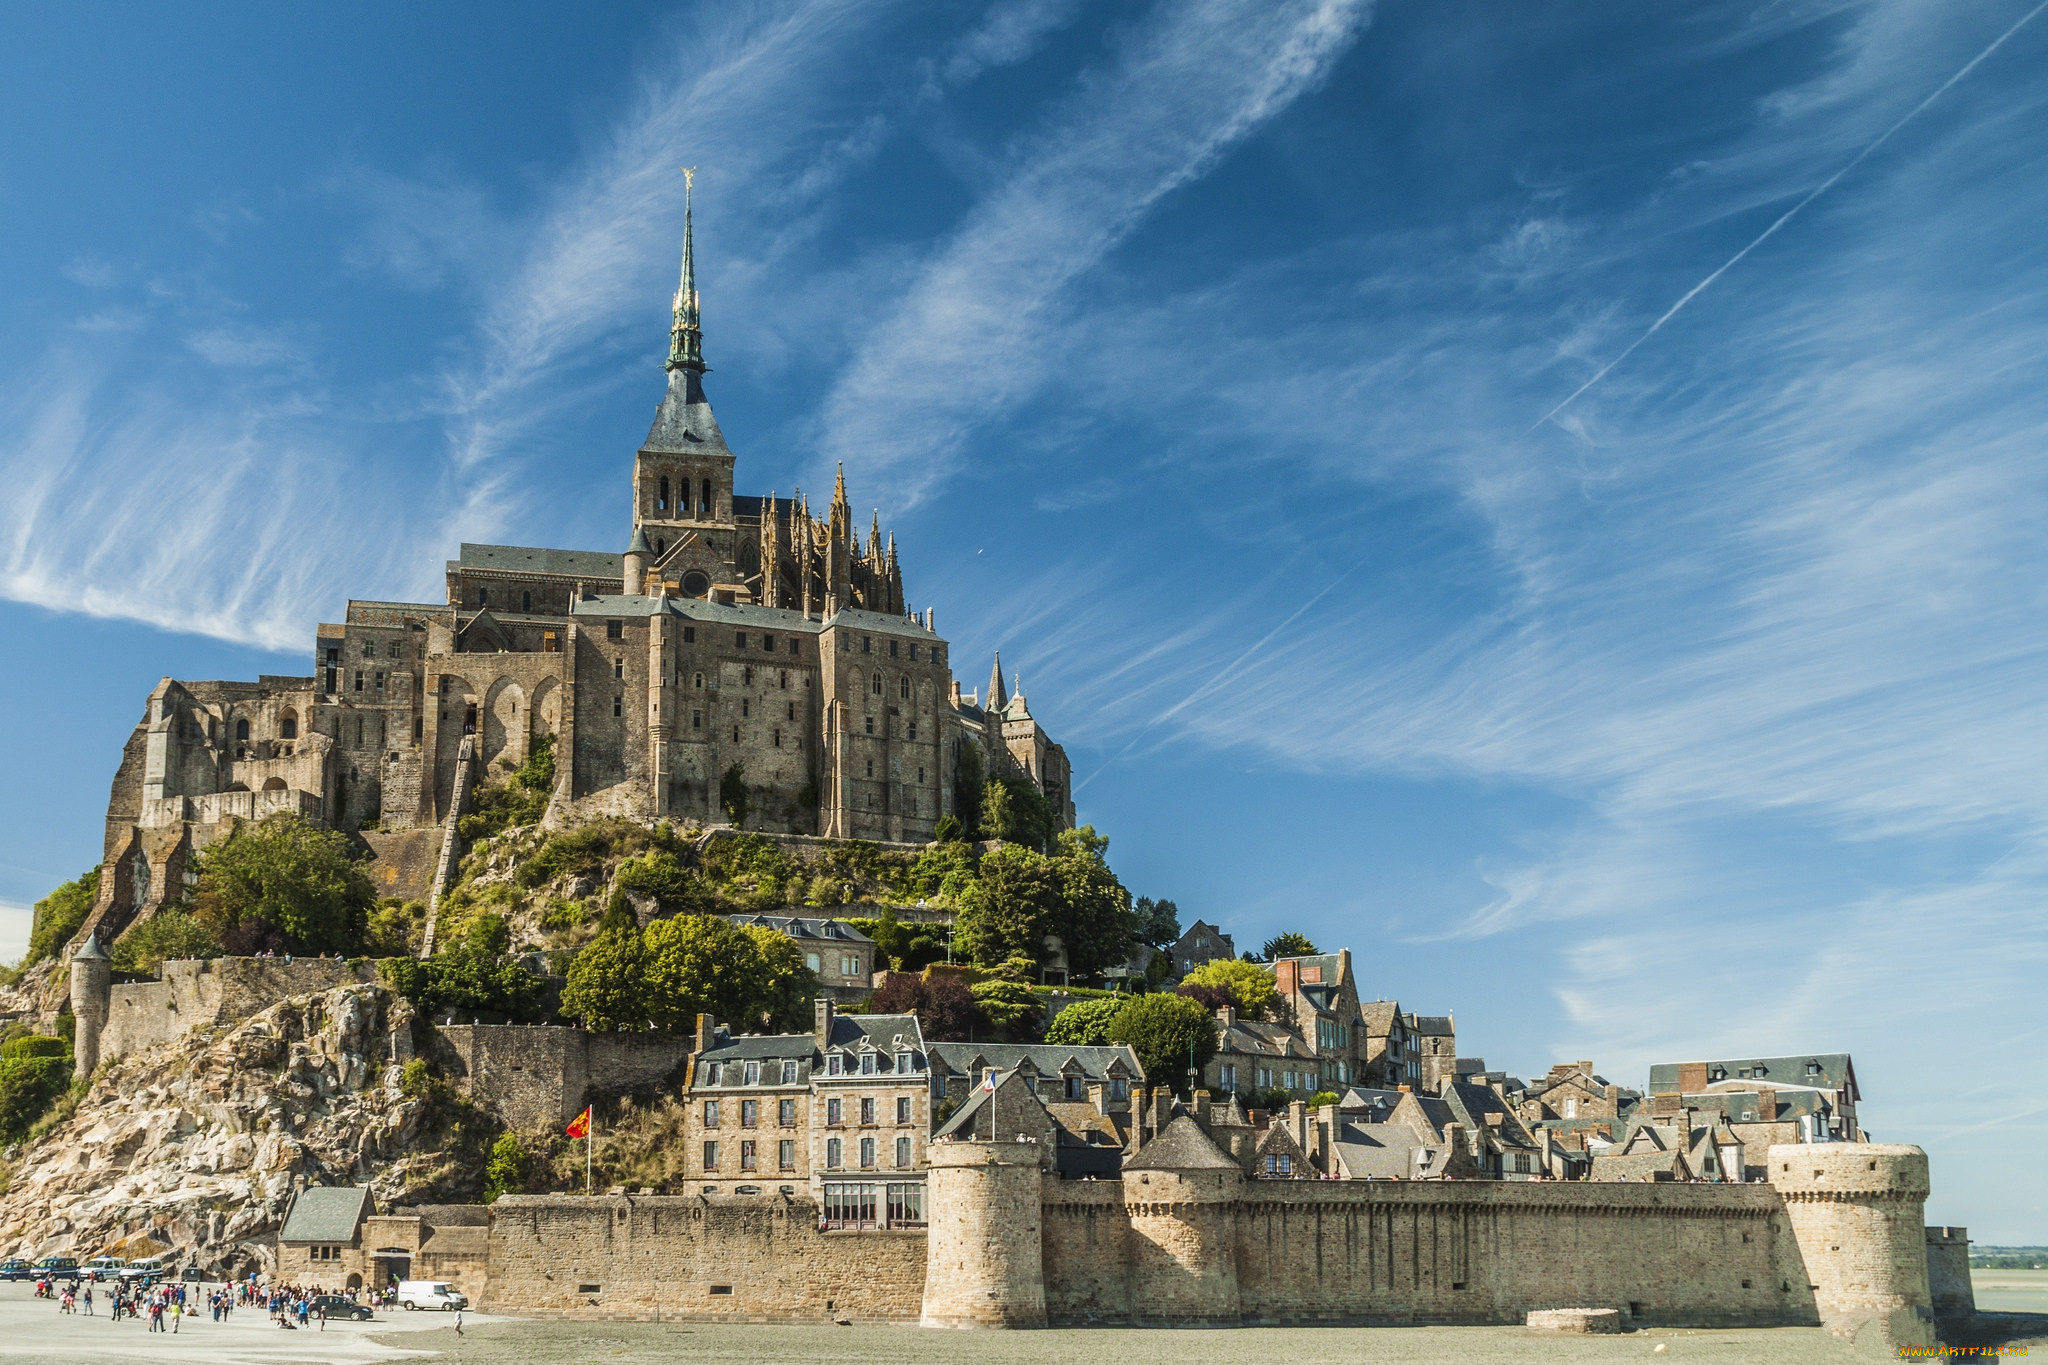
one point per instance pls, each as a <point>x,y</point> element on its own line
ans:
<point>92,984</point>
<point>1181,1194</point>
<point>638,556</point>
<point>1856,1210</point>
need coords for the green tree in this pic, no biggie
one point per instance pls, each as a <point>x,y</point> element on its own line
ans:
<point>59,915</point>
<point>1010,1008</point>
<point>284,877</point>
<point>505,1172</point>
<point>606,987</point>
<point>1289,944</point>
<point>473,976</point>
<point>1323,1097</point>
<point>1013,905</point>
<point>1085,1023</point>
<point>949,829</point>
<point>1170,1033</point>
<point>1250,985</point>
<point>1031,815</point>
<point>705,964</point>
<point>1094,921</point>
<point>168,934</point>
<point>1158,922</point>
<point>997,821</point>
<point>968,775</point>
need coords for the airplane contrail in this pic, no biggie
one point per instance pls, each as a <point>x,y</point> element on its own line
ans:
<point>1788,215</point>
<point>1223,672</point>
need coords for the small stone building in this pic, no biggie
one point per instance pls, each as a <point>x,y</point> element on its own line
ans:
<point>842,956</point>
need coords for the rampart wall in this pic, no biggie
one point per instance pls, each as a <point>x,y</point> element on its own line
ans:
<point>195,993</point>
<point>538,1076</point>
<point>731,1258</point>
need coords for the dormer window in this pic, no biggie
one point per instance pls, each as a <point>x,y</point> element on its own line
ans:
<point>832,1064</point>
<point>903,1063</point>
<point>867,1063</point>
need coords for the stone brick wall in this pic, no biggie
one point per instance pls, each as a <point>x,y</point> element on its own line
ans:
<point>191,994</point>
<point>1948,1274</point>
<point>540,1076</point>
<point>986,1251</point>
<point>668,1259</point>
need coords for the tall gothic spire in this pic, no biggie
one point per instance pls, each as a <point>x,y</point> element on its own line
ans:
<point>996,700</point>
<point>686,337</point>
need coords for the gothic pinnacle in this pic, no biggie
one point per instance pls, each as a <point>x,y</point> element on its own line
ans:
<point>686,336</point>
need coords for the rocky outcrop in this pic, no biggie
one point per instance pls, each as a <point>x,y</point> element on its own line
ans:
<point>199,1143</point>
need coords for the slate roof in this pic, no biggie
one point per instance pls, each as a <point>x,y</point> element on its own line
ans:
<point>591,564</point>
<point>1432,1025</point>
<point>788,620</point>
<point>1379,1016</point>
<point>1380,1151</point>
<point>326,1213</point>
<point>798,927</point>
<point>682,426</point>
<point>1048,1059</point>
<point>90,950</point>
<point>1835,1071</point>
<point>1262,1040</point>
<point>1180,1146</point>
<point>881,1030</point>
<point>1472,1103</point>
<point>770,1047</point>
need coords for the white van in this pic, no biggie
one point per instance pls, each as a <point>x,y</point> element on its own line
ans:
<point>148,1268</point>
<point>431,1294</point>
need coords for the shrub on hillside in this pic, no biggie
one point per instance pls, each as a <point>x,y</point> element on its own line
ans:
<point>166,935</point>
<point>34,1071</point>
<point>1251,986</point>
<point>59,915</point>
<point>944,1005</point>
<point>283,882</point>
<point>1085,1023</point>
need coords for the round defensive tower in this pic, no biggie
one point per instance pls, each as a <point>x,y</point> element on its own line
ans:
<point>92,985</point>
<point>1181,1195</point>
<point>984,1263</point>
<point>1857,1211</point>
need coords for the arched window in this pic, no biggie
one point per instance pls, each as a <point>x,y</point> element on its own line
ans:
<point>661,500</point>
<point>483,597</point>
<point>904,688</point>
<point>288,724</point>
<point>526,601</point>
<point>706,507</point>
<point>660,547</point>
<point>242,729</point>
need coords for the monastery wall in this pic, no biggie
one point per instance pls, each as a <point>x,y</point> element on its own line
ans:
<point>731,1258</point>
<point>539,1076</point>
<point>194,993</point>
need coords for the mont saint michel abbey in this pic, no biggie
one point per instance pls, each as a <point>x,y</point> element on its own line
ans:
<point>738,645</point>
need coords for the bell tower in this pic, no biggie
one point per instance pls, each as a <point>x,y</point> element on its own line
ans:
<point>683,474</point>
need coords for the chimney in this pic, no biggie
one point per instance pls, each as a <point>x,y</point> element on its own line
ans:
<point>1286,976</point>
<point>1343,964</point>
<point>1098,1095</point>
<point>822,1020</point>
<point>1202,1102</point>
<point>956,691</point>
<point>707,1032</point>
<point>1226,1015</point>
<point>1297,1122</point>
<point>1766,1104</point>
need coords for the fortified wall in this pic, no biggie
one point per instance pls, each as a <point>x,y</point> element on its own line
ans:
<point>538,1076</point>
<point>1835,1241</point>
<point>115,1020</point>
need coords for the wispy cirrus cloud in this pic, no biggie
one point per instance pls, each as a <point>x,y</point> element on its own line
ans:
<point>971,337</point>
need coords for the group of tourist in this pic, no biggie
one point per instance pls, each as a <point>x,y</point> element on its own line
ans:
<point>165,1306</point>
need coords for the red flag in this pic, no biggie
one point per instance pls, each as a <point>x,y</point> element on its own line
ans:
<point>579,1126</point>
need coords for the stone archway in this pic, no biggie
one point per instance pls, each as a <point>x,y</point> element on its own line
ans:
<point>544,713</point>
<point>504,723</point>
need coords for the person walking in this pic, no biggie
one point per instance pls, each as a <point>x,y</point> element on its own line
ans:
<point>458,1322</point>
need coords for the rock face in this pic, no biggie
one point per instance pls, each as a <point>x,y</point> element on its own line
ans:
<point>199,1143</point>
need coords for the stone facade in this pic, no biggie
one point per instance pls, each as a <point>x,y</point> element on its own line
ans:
<point>538,1077</point>
<point>115,1020</point>
<point>742,656</point>
<point>1186,1239</point>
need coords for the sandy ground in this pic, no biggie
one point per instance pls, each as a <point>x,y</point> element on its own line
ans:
<point>2010,1291</point>
<point>33,1331</point>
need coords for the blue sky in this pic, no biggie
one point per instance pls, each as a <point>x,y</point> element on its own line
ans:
<point>1207,358</point>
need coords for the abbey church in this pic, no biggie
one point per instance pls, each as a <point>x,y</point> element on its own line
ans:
<point>741,656</point>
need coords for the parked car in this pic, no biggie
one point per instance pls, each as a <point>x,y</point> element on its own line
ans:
<point>431,1294</point>
<point>104,1267</point>
<point>148,1269</point>
<point>15,1268</point>
<point>335,1306</point>
<point>56,1268</point>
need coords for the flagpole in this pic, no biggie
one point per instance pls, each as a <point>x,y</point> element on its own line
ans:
<point>589,1141</point>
